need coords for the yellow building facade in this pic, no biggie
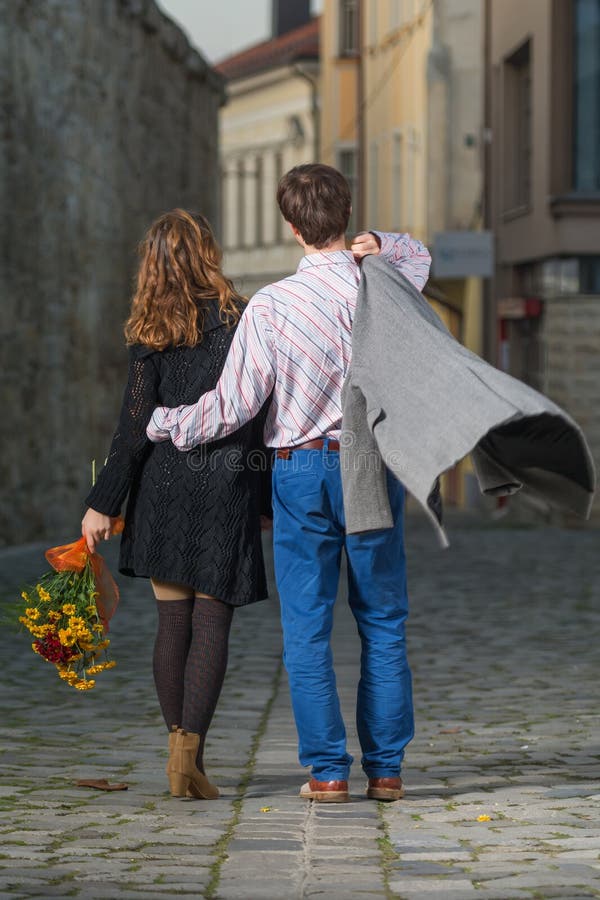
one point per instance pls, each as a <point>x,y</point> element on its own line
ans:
<point>401,114</point>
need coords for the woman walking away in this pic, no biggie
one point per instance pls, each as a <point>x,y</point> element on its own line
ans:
<point>192,524</point>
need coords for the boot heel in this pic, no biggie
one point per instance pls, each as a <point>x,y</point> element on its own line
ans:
<point>178,783</point>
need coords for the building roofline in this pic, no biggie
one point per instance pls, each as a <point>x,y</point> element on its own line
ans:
<point>294,46</point>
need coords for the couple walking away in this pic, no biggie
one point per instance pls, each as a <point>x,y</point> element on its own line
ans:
<point>207,368</point>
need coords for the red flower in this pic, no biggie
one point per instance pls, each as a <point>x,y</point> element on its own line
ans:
<point>51,649</point>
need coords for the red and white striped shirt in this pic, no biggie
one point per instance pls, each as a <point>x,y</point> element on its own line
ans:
<point>294,339</point>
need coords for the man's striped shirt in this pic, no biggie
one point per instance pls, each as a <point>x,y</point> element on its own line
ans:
<point>294,340</point>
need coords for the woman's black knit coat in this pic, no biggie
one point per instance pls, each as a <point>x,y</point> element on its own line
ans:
<point>192,517</point>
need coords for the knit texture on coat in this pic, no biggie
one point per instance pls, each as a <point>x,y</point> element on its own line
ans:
<point>191,517</point>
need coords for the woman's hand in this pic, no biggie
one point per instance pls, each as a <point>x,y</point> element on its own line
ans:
<point>96,527</point>
<point>365,244</point>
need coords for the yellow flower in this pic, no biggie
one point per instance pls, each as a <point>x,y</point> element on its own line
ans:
<point>484,818</point>
<point>84,685</point>
<point>32,612</point>
<point>102,645</point>
<point>98,626</point>
<point>68,609</point>
<point>91,609</point>
<point>75,621</point>
<point>100,667</point>
<point>54,616</point>
<point>66,637</point>
<point>43,594</point>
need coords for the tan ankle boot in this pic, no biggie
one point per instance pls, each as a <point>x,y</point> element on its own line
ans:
<point>172,742</point>
<point>185,779</point>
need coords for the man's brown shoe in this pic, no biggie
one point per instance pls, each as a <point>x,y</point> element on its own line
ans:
<point>325,791</point>
<point>385,789</point>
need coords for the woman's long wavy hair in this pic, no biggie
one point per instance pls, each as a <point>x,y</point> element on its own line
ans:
<point>180,267</point>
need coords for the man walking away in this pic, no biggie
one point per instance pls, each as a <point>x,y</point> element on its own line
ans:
<point>294,340</point>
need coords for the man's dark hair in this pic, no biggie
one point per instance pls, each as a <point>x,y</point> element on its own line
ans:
<point>316,200</point>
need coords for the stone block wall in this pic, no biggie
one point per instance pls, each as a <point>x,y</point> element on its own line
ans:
<point>107,118</point>
<point>571,340</point>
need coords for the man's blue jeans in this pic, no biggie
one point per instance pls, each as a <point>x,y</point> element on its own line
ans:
<point>308,535</point>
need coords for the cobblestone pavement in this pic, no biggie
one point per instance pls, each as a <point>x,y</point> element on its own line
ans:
<point>502,777</point>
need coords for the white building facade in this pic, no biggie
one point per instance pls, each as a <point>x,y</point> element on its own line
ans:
<point>269,124</point>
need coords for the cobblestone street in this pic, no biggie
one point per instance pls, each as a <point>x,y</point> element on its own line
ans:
<point>502,778</point>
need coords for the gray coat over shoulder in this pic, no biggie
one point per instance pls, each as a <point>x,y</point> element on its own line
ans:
<point>418,401</point>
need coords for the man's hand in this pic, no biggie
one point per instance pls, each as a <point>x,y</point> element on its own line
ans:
<point>365,244</point>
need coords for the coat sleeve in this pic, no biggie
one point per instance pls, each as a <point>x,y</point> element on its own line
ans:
<point>364,480</point>
<point>129,445</point>
<point>494,479</point>
<point>262,462</point>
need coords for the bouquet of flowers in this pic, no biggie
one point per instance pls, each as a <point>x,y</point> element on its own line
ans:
<point>68,610</point>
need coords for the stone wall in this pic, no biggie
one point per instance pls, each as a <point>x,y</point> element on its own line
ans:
<point>108,118</point>
<point>571,344</point>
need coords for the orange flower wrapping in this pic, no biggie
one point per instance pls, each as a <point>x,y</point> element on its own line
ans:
<point>74,557</point>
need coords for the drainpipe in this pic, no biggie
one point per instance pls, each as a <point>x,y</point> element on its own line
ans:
<point>361,123</point>
<point>313,82</point>
<point>490,349</point>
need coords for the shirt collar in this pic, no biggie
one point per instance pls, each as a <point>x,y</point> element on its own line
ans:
<point>326,258</point>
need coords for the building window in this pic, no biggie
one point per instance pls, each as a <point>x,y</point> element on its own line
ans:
<point>241,203</point>
<point>400,12</point>
<point>559,276</point>
<point>348,12</point>
<point>374,185</point>
<point>348,165</point>
<point>373,25</point>
<point>397,162</point>
<point>586,96</point>
<point>517,130</point>
<point>589,274</point>
<point>259,224</point>
<point>278,216</point>
<point>412,149</point>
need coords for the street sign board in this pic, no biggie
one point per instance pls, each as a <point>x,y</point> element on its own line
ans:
<point>460,254</point>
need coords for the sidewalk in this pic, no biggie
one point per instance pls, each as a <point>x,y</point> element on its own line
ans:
<point>502,778</point>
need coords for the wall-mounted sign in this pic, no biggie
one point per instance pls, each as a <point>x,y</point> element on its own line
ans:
<point>460,254</point>
<point>519,307</point>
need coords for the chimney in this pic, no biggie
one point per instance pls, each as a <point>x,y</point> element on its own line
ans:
<point>289,14</point>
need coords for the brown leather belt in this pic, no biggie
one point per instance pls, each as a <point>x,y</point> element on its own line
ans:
<point>318,444</point>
